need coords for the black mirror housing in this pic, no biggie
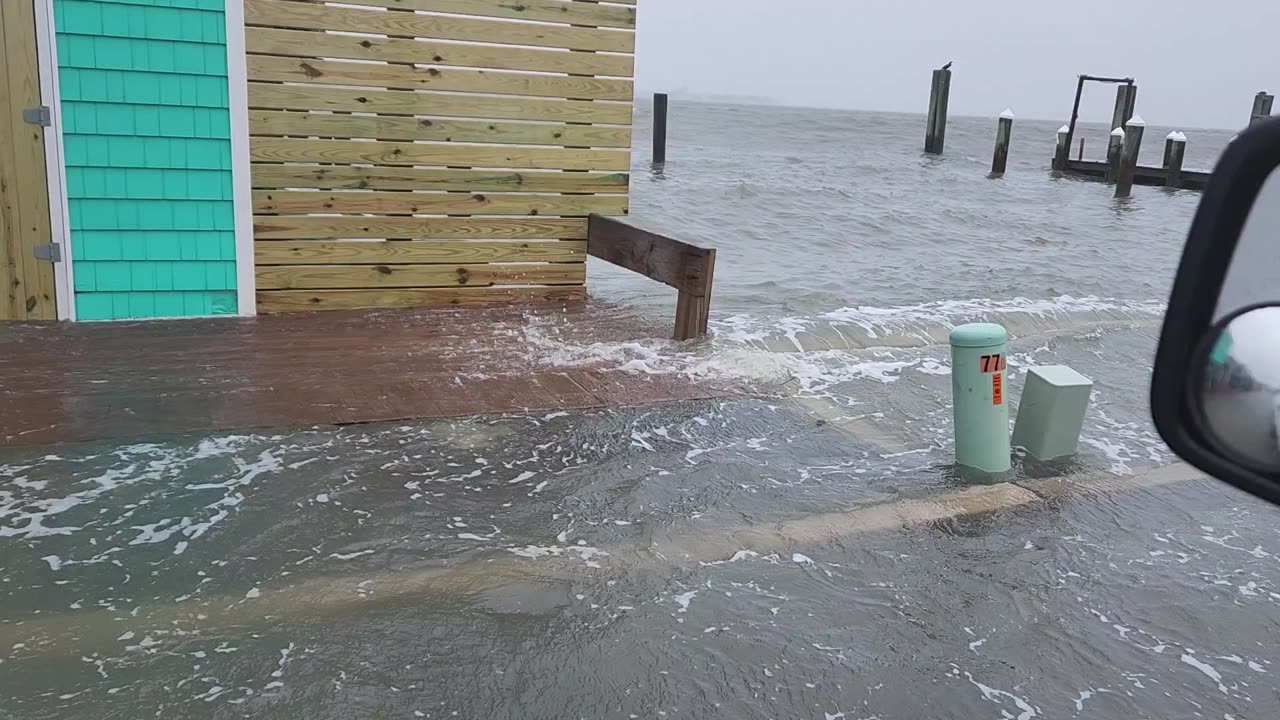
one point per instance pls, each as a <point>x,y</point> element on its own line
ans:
<point>1197,326</point>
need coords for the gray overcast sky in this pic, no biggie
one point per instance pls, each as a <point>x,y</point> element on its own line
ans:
<point>1198,63</point>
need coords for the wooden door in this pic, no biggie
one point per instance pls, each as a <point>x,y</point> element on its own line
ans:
<point>26,283</point>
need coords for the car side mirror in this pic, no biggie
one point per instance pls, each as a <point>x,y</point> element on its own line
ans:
<point>1215,394</point>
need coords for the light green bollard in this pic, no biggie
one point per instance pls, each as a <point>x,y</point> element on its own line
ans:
<point>979,396</point>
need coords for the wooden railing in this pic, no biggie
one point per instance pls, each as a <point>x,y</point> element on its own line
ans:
<point>687,268</point>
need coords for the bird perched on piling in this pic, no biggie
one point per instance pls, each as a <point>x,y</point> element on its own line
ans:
<point>947,66</point>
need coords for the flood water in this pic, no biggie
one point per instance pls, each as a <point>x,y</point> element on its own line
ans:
<point>645,562</point>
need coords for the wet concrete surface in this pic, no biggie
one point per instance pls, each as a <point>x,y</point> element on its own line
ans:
<point>664,562</point>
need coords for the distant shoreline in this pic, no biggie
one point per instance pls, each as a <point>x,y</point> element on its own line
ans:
<point>754,101</point>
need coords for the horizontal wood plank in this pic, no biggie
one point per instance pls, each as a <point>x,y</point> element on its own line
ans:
<point>684,267</point>
<point>443,154</point>
<point>285,227</point>
<point>411,102</point>
<point>278,122</point>
<point>309,16</point>
<point>270,68</point>
<point>301,202</point>
<point>273,301</point>
<point>418,252</point>
<point>329,277</point>
<point>571,12</point>
<point>331,177</point>
<point>310,43</point>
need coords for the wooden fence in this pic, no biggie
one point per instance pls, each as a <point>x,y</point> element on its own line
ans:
<point>427,152</point>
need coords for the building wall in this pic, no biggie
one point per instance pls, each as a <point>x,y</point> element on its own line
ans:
<point>146,131</point>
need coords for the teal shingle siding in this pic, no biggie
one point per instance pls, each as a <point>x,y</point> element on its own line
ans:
<point>148,156</point>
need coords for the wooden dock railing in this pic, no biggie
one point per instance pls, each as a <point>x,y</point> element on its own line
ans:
<point>687,268</point>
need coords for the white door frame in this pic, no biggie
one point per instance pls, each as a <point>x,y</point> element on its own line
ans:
<point>55,165</point>
<point>241,184</point>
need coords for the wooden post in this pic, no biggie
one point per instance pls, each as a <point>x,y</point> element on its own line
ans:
<point>1062,153</point>
<point>687,268</point>
<point>693,311</point>
<point>935,137</point>
<point>1168,147</point>
<point>1004,132</point>
<point>1126,98</point>
<point>1262,103</point>
<point>1113,154</point>
<point>1176,145</point>
<point>1132,143</point>
<point>659,128</point>
<point>1075,117</point>
<point>1131,106</point>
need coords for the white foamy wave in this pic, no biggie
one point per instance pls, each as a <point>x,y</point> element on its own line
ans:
<point>813,354</point>
<point>39,509</point>
<point>928,323</point>
<point>724,360</point>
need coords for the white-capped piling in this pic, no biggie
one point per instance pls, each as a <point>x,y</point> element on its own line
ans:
<point>1129,156</point>
<point>1126,102</point>
<point>1004,133</point>
<point>1113,154</point>
<point>1062,152</point>
<point>1175,151</point>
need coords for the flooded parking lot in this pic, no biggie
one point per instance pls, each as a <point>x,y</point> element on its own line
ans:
<point>753,556</point>
<point>620,563</point>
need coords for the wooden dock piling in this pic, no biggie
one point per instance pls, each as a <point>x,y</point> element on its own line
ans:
<point>1262,103</point>
<point>1126,101</point>
<point>1131,145</point>
<point>659,128</point>
<point>1004,132</point>
<point>1169,173</point>
<point>1062,151</point>
<point>1114,147</point>
<point>936,133</point>
<point>1176,150</point>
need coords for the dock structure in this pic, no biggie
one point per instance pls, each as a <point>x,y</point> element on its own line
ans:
<point>1171,174</point>
<point>1142,175</point>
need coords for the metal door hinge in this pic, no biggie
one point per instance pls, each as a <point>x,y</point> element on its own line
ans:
<point>38,116</point>
<point>51,252</point>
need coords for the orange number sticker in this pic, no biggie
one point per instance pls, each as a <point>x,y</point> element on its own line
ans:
<point>997,390</point>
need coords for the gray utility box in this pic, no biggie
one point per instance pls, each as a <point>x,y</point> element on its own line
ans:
<point>1051,412</point>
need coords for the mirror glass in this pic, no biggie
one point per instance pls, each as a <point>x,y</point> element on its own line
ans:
<point>1240,392</point>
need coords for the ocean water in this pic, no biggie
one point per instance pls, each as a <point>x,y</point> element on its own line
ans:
<point>846,255</point>
<point>644,562</point>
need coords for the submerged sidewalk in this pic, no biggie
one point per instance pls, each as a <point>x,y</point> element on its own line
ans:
<point>84,381</point>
